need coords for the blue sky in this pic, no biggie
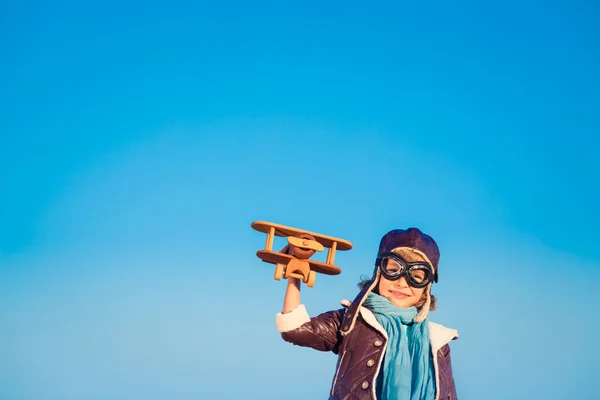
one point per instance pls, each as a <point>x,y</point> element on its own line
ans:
<point>139,141</point>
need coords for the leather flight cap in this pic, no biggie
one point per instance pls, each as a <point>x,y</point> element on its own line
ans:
<point>412,238</point>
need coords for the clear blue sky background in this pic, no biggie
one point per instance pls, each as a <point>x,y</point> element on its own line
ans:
<point>138,141</point>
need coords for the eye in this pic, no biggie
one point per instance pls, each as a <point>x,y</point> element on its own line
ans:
<point>392,267</point>
<point>418,275</point>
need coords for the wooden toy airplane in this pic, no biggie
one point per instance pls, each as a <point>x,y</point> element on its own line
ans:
<point>294,259</point>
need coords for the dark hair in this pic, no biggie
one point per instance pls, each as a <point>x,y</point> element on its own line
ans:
<point>365,282</point>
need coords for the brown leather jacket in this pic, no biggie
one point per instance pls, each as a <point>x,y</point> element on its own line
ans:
<point>354,334</point>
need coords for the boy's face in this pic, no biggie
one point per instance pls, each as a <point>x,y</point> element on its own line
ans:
<point>399,292</point>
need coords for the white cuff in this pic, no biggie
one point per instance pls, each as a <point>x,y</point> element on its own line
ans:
<point>292,320</point>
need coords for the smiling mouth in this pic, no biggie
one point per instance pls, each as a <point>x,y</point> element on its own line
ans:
<point>399,295</point>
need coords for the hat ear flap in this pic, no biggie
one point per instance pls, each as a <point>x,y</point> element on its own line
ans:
<point>376,277</point>
<point>422,314</point>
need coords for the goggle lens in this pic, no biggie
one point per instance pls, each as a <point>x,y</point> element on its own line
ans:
<point>391,267</point>
<point>419,275</point>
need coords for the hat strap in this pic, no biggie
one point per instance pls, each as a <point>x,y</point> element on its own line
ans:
<point>425,309</point>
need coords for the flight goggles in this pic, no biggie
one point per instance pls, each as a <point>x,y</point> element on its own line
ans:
<point>418,274</point>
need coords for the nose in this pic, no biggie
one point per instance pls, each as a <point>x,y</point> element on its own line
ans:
<point>401,282</point>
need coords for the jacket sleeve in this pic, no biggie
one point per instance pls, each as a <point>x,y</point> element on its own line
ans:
<point>320,332</point>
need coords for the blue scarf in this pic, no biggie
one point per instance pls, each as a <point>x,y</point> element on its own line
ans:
<point>407,372</point>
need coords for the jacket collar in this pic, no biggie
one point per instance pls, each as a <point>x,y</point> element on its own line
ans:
<point>439,334</point>
<point>353,308</point>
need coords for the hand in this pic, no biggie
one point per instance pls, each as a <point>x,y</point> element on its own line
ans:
<point>295,282</point>
<point>292,295</point>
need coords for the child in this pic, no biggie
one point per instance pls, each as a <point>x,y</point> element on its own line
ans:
<point>387,349</point>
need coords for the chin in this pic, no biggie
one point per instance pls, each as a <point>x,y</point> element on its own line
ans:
<point>402,304</point>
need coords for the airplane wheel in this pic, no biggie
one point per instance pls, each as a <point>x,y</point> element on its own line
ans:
<point>279,270</point>
<point>312,275</point>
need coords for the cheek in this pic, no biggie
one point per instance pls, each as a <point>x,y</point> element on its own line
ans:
<point>384,285</point>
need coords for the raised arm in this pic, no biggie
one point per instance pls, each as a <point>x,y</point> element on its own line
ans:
<point>296,326</point>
